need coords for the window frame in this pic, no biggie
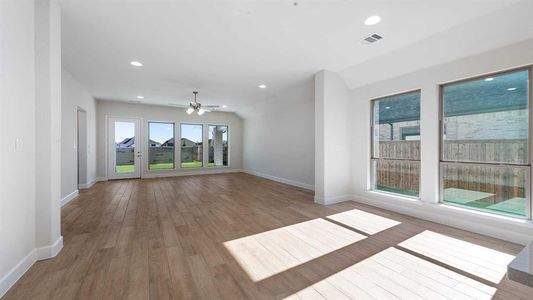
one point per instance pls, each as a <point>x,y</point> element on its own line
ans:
<point>526,166</point>
<point>203,146</point>
<point>374,159</point>
<point>148,145</point>
<point>229,146</point>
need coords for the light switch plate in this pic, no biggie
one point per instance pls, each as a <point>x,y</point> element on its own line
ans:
<point>18,144</point>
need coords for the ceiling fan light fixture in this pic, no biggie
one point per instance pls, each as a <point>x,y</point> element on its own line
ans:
<point>195,106</point>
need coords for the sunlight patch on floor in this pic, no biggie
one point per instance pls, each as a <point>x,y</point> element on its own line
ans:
<point>477,260</point>
<point>395,274</point>
<point>364,221</point>
<point>265,254</point>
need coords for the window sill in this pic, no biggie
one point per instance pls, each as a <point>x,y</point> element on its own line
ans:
<point>152,171</point>
<point>395,196</point>
<point>485,215</point>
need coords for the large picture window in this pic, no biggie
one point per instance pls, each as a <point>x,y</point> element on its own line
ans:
<point>160,145</point>
<point>485,161</point>
<point>218,146</point>
<point>192,145</point>
<point>396,144</point>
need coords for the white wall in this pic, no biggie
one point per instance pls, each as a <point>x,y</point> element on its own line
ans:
<point>29,57</point>
<point>428,81</point>
<point>165,114</point>
<point>279,137</point>
<point>17,96</point>
<point>74,97</point>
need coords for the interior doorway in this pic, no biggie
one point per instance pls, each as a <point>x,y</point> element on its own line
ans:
<point>82,148</point>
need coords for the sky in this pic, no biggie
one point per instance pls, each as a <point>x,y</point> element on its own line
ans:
<point>124,130</point>
<point>192,132</point>
<point>159,132</point>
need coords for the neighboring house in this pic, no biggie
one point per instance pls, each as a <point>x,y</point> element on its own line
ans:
<point>168,143</point>
<point>130,143</point>
<point>479,118</point>
<point>126,143</point>
<point>188,143</point>
<point>152,143</point>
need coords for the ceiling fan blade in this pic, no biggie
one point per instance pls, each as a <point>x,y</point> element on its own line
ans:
<point>179,105</point>
<point>211,106</point>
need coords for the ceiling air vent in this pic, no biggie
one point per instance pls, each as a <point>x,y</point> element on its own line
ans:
<point>371,39</point>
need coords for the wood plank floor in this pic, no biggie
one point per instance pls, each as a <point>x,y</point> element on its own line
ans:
<point>234,236</point>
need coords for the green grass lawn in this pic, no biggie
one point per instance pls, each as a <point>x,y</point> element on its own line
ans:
<point>161,166</point>
<point>164,166</point>
<point>125,169</point>
<point>195,164</point>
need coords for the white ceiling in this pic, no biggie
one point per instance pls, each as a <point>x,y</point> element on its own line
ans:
<point>225,49</point>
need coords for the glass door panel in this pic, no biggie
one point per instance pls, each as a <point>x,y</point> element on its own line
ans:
<point>124,149</point>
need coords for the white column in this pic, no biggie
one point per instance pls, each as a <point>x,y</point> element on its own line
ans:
<point>48,127</point>
<point>218,146</point>
<point>332,142</point>
<point>429,143</point>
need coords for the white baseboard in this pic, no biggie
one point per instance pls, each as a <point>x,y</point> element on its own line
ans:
<point>332,200</point>
<point>16,272</point>
<point>69,197</point>
<point>50,251</point>
<point>87,185</point>
<point>513,230</point>
<point>99,179</point>
<point>13,275</point>
<point>202,171</point>
<point>282,180</point>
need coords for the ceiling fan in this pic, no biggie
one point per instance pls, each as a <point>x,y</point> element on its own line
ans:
<point>196,106</point>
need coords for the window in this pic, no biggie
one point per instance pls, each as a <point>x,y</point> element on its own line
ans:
<point>485,161</point>
<point>396,144</point>
<point>218,146</point>
<point>192,146</point>
<point>160,145</point>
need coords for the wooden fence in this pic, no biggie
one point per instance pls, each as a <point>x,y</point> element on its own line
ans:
<point>504,182</point>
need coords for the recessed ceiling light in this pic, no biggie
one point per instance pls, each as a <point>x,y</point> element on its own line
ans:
<point>511,89</point>
<point>387,107</point>
<point>262,86</point>
<point>224,106</point>
<point>373,20</point>
<point>136,63</point>
<point>489,79</point>
<point>140,97</point>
